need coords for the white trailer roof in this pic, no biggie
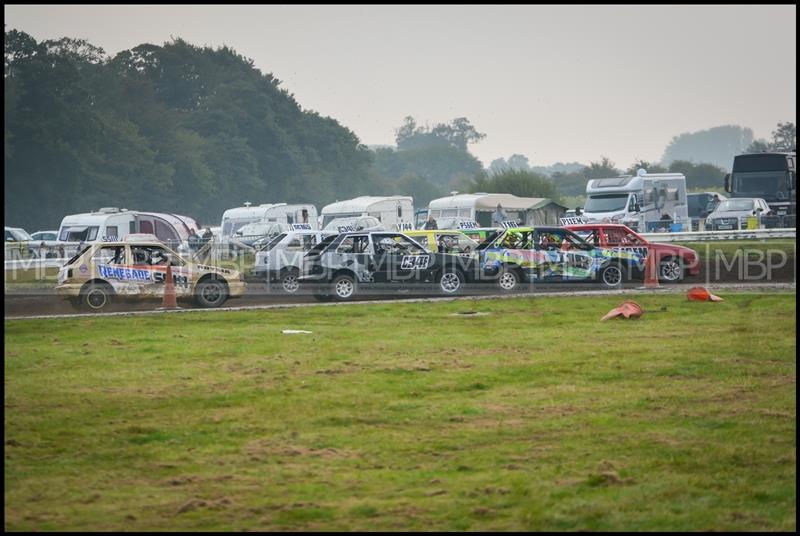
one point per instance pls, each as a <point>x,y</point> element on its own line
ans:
<point>485,201</point>
<point>361,204</point>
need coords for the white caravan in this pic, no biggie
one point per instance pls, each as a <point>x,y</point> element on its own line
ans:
<point>392,211</point>
<point>235,218</point>
<point>643,202</point>
<point>454,211</point>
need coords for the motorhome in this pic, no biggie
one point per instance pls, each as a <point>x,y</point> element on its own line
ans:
<point>390,211</point>
<point>235,218</point>
<point>644,203</point>
<point>111,223</point>
<point>451,211</point>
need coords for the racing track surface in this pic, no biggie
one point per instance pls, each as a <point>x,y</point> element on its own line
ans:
<point>47,305</point>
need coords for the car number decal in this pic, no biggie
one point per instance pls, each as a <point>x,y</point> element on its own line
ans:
<point>414,262</point>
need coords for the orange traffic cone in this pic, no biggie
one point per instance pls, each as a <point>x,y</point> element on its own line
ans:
<point>170,298</point>
<point>701,294</point>
<point>651,271</point>
<point>628,309</point>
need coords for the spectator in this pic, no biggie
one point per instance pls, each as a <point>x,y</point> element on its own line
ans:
<point>194,240</point>
<point>430,224</point>
<point>498,217</point>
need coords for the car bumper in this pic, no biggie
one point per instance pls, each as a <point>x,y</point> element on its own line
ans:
<point>68,290</point>
<point>236,288</point>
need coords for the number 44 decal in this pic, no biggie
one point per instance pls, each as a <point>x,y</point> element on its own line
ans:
<point>414,262</point>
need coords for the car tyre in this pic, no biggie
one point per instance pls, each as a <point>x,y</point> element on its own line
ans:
<point>343,287</point>
<point>96,296</point>
<point>671,270</point>
<point>508,280</point>
<point>289,281</point>
<point>451,281</point>
<point>211,293</point>
<point>612,275</point>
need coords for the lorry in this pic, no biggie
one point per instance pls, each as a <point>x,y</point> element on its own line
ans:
<point>646,202</point>
<point>770,176</point>
<point>235,218</point>
<point>394,212</point>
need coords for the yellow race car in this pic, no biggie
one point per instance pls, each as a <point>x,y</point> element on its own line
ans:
<point>136,268</point>
<point>444,241</point>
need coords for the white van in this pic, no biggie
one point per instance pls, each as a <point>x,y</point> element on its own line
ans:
<point>235,218</point>
<point>643,203</point>
<point>391,211</point>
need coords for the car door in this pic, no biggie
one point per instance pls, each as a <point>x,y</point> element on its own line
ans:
<point>400,260</point>
<point>354,253</point>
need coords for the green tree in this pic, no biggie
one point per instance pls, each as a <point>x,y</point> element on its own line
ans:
<point>516,182</point>
<point>716,145</point>
<point>784,138</point>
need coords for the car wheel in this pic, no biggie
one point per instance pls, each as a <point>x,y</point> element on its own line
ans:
<point>344,287</point>
<point>451,281</point>
<point>671,270</point>
<point>508,280</point>
<point>289,282</point>
<point>211,293</point>
<point>96,296</point>
<point>612,275</point>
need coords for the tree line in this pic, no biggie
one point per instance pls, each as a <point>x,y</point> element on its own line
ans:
<point>197,130</point>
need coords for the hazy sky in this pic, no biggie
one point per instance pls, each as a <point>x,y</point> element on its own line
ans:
<point>555,83</point>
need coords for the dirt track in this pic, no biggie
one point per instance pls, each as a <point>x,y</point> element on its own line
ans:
<point>46,303</point>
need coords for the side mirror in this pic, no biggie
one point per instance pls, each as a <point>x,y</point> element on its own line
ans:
<point>578,211</point>
<point>728,182</point>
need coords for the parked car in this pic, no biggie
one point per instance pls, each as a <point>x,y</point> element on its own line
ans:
<point>259,231</point>
<point>354,223</point>
<point>17,244</point>
<point>699,204</point>
<point>342,266</point>
<point>135,268</point>
<point>281,259</point>
<point>674,261</point>
<point>733,213</point>
<point>553,254</point>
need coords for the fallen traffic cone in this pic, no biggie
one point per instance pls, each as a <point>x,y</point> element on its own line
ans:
<point>651,270</point>
<point>170,298</point>
<point>628,309</point>
<point>701,294</point>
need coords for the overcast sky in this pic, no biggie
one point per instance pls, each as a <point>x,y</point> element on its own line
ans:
<point>555,83</point>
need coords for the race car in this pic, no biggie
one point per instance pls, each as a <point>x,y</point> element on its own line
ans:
<point>438,241</point>
<point>674,261</point>
<point>342,266</point>
<point>553,254</point>
<point>135,268</point>
<point>281,260</point>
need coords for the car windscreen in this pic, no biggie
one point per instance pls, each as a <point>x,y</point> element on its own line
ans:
<point>489,239</point>
<point>605,202</point>
<point>80,252</point>
<point>272,243</point>
<point>735,204</point>
<point>316,250</point>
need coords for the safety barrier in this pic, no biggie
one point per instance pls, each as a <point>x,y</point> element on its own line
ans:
<point>704,236</point>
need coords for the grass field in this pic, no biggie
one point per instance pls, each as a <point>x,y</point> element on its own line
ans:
<point>533,416</point>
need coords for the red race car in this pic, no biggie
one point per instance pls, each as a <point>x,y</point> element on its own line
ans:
<point>674,262</point>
